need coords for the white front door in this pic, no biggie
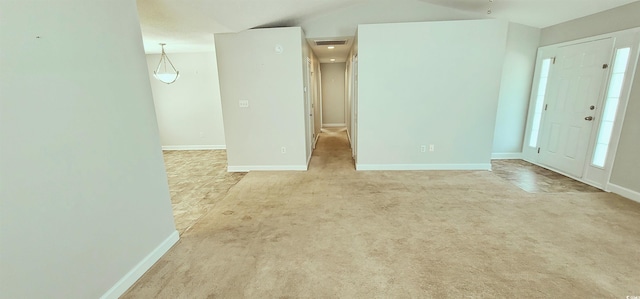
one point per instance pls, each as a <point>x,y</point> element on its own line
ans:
<point>576,85</point>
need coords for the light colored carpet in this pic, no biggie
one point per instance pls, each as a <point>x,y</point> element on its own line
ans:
<point>333,232</point>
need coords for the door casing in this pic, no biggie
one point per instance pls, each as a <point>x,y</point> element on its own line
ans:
<point>595,176</point>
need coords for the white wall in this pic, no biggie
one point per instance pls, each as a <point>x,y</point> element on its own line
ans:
<point>428,83</point>
<point>84,196</point>
<point>189,111</point>
<point>251,69</point>
<point>345,21</point>
<point>627,163</point>
<point>617,19</point>
<point>515,88</point>
<point>333,94</point>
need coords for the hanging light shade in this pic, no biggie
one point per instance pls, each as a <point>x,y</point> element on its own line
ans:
<point>166,72</point>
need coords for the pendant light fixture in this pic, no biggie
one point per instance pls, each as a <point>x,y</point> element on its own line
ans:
<point>162,72</point>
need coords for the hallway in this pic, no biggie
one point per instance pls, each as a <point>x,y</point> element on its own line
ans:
<point>332,151</point>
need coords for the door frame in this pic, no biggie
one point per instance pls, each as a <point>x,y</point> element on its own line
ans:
<point>604,49</point>
<point>320,95</point>
<point>309,113</point>
<point>354,108</point>
<point>622,39</point>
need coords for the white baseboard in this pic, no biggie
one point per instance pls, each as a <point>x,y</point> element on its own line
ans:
<point>315,142</point>
<point>625,192</point>
<point>267,168</point>
<point>565,174</point>
<point>145,264</point>
<point>423,166</point>
<point>506,156</point>
<point>192,147</point>
<point>333,125</point>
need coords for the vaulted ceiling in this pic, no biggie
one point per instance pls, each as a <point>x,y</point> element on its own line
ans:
<point>189,25</point>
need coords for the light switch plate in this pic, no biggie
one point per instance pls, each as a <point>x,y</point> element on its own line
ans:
<point>244,103</point>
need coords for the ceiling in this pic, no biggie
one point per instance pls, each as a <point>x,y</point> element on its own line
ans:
<point>189,25</point>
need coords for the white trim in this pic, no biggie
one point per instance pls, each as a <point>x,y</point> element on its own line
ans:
<point>622,191</point>
<point>145,264</point>
<point>581,180</point>
<point>315,143</point>
<point>192,147</point>
<point>587,181</point>
<point>309,160</point>
<point>593,38</point>
<point>349,139</point>
<point>622,109</point>
<point>625,192</point>
<point>267,168</point>
<point>423,166</point>
<point>334,125</point>
<point>506,156</point>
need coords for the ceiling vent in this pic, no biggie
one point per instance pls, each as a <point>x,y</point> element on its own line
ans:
<point>331,42</point>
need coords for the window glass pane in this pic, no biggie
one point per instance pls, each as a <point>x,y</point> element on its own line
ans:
<point>605,132</point>
<point>535,132</point>
<point>615,86</point>
<point>542,87</point>
<point>610,110</point>
<point>611,107</point>
<point>622,58</point>
<point>545,68</point>
<point>600,155</point>
<point>539,104</point>
<point>537,115</point>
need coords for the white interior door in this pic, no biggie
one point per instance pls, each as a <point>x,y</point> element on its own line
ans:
<point>309,109</point>
<point>317,104</point>
<point>354,110</point>
<point>576,84</point>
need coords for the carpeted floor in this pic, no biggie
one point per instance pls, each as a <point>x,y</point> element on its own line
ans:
<point>332,232</point>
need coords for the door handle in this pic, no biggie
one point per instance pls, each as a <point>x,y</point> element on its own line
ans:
<point>589,118</point>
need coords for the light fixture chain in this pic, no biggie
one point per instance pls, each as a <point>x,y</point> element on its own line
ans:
<point>162,65</point>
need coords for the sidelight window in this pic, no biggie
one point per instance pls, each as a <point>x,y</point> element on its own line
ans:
<point>610,107</point>
<point>542,90</point>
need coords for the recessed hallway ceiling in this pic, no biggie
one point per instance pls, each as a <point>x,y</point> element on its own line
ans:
<point>188,26</point>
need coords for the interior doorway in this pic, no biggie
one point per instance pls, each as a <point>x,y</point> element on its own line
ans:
<point>333,151</point>
<point>316,79</point>
<point>333,95</point>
